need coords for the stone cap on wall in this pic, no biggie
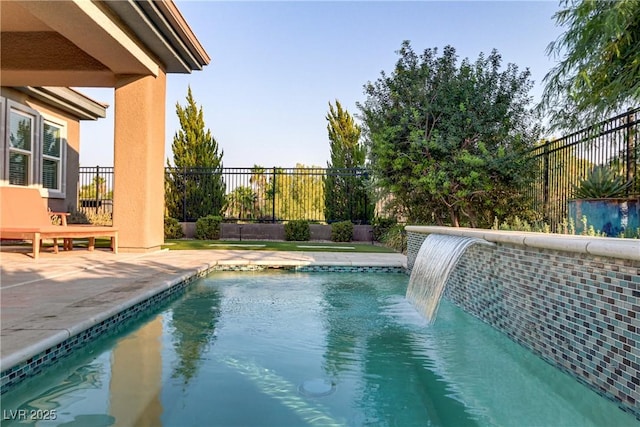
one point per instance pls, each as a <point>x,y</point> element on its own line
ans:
<point>600,246</point>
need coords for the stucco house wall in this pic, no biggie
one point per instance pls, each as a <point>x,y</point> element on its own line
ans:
<point>24,100</point>
<point>129,46</point>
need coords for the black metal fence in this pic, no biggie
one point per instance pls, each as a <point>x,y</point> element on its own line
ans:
<point>562,163</point>
<point>245,194</point>
<point>269,194</point>
<point>95,190</point>
<point>283,194</point>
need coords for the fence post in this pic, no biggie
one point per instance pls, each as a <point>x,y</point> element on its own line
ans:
<point>545,190</point>
<point>184,193</point>
<point>273,199</point>
<point>97,180</point>
<point>631,152</point>
<point>365,219</point>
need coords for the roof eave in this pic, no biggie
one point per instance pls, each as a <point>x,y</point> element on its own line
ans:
<point>68,100</point>
<point>165,32</point>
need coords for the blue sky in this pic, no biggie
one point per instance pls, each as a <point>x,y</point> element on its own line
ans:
<point>276,66</point>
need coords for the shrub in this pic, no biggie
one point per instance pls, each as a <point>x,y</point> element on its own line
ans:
<point>297,230</point>
<point>381,226</point>
<point>631,233</point>
<point>517,224</point>
<point>396,239</point>
<point>601,183</point>
<point>100,218</point>
<point>172,228</point>
<point>208,227</point>
<point>342,231</point>
<point>77,217</point>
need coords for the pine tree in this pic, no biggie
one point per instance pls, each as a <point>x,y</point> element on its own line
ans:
<point>195,186</point>
<point>346,194</point>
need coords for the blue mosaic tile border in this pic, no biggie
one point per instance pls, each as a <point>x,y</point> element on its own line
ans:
<point>576,311</point>
<point>39,362</point>
<point>249,267</point>
<point>349,269</point>
<point>314,268</point>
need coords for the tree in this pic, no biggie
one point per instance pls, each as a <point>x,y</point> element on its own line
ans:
<point>283,195</point>
<point>194,186</point>
<point>599,73</point>
<point>263,193</point>
<point>450,141</point>
<point>96,190</point>
<point>344,182</point>
<point>242,204</point>
<point>299,194</point>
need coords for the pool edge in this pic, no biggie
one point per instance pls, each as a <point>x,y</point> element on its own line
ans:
<point>33,359</point>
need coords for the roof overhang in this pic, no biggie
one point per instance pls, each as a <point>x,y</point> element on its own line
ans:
<point>93,43</point>
<point>68,100</point>
<point>162,28</point>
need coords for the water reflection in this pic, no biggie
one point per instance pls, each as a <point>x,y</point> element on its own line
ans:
<point>345,301</point>
<point>194,320</point>
<point>136,377</point>
<point>136,361</point>
<point>70,388</point>
<point>93,420</point>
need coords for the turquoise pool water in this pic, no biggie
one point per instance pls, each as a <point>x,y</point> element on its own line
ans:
<point>294,349</point>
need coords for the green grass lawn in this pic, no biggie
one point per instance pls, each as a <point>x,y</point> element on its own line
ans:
<point>249,245</point>
<point>261,245</point>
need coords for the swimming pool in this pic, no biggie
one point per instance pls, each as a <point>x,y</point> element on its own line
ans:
<point>305,349</point>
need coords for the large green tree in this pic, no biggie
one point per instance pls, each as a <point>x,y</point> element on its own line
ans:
<point>598,72</point>
<point>344,182</point>
<point>194,185</point>
<point>449,139</point>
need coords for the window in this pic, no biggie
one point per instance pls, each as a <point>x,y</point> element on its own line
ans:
<point>52,156</point>
<point>33,148</point>
<point>21,144</point>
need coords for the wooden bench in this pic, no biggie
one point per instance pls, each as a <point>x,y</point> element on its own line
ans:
<point>24,215</point>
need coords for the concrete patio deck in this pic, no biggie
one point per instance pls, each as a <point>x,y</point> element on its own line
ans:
<point>45,302</point>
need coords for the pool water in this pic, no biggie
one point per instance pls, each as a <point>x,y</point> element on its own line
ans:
<point>296,349</point>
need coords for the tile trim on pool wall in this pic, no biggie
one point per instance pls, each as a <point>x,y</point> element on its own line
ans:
<point>313,268</point>
<point>40,361</point>
<point>35,364</point>
<point>349,269</point>
<point>577,310</point>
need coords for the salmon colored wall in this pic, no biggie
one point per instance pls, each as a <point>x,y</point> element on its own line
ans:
<point>138,190</point>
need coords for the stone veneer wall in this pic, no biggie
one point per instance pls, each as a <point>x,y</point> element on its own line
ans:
<point>576,310</point>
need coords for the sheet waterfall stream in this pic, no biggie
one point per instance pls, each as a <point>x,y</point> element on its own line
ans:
<point>435,261</point>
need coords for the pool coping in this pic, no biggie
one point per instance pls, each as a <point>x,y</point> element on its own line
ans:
<point>42,352</point>
<point>612,247</point>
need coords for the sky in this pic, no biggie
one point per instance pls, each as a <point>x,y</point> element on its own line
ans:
<point>275,66</point>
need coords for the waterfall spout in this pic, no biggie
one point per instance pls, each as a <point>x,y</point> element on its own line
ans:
<point>436,258</point>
